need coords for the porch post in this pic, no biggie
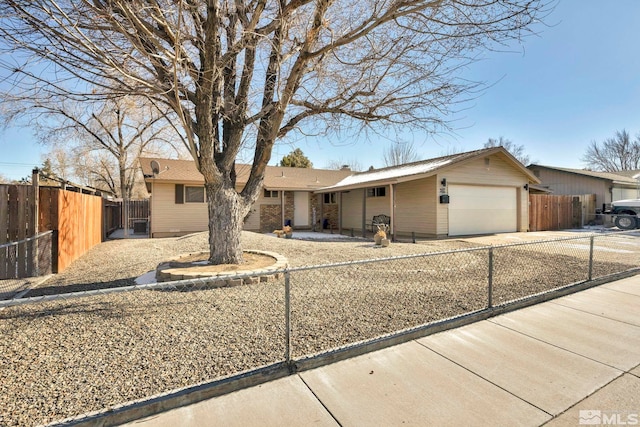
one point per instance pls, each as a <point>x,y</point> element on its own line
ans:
<point>282,209</point>
<point>339,212</point>
<point>392,211</point>
<point>364,212</point>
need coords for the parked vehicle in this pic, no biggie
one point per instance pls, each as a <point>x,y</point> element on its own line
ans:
<point>627,213</point>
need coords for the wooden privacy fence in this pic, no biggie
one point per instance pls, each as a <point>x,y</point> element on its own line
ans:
<point>559,212</point>
<point>115,212</point>
<point>17,223</point>
<point>75,219</point>
<point>137,209</point>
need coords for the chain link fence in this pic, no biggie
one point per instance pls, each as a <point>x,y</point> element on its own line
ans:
<point>66,355</point>
<point>23,262</point>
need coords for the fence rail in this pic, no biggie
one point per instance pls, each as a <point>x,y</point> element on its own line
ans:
<point>176,335</point>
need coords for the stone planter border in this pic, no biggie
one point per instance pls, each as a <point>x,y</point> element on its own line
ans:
<point>173,270</point>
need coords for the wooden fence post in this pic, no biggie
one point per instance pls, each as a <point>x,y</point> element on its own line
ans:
<point>35,215</point>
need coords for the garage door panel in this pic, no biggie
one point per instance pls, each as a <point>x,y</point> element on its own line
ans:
<point>482,210</point>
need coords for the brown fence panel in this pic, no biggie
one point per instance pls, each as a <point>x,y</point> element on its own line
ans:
<point>547,212</point>
<point>137,210</point>
<point>559,212</point>
<point>48,219</point>
<point>17,222</point>
<point>111,216</point>
<point>4,227</point>
<point>79,225</point>
<point>75,218</point>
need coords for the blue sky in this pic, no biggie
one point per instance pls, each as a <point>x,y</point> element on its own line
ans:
<point>576,82</point>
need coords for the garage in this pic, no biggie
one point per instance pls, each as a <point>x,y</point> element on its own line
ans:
<point>482,209</point>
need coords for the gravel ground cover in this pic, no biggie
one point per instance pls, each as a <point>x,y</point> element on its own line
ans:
<point>68,357</point>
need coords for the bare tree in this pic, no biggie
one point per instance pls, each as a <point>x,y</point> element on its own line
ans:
<point>231,70</point>
<point>399,153</point>
<point>60,162</point>
<point>516,151</point>
<point>352,164</point>
<point>96,143</point>
<point>614,154</point>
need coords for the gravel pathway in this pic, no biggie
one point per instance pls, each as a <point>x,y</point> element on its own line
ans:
<point>68,357</point>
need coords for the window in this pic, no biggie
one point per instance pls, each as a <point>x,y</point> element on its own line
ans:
<point>377,192</point>
<point>270,194</point>
<point>194,194</point>
<point>179,194</point>
<point>330,198</point>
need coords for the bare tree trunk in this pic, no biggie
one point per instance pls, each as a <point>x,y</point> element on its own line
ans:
<point>227,211</point>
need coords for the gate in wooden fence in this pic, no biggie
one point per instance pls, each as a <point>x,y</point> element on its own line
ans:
<point>133,212</point>
<point>559,212</point>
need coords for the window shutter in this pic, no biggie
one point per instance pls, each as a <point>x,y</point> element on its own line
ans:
<point>179,194</point>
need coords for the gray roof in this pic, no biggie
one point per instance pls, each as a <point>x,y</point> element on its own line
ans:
<point>275,177</point>
<point>416,170</point>
<point>622,177</point>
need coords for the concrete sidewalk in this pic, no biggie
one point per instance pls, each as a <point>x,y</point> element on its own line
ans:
<point>574,360</point>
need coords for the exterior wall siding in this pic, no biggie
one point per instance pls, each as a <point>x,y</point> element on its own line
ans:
<point>379,205</point>
<point>497,172</point>
<point>563,183</point>
<point>352,209</point>
<point>170,219</point>
<point>416,207</point>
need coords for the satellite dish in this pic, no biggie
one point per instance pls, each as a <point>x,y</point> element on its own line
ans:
<point>155,167</point>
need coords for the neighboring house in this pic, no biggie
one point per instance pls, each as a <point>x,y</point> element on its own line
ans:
<point>607,186</point>
<point>178,201</point>
<point>478,192</point>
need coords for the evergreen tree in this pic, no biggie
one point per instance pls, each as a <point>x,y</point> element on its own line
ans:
<point>296,159</point>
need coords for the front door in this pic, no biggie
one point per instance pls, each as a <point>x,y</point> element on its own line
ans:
<point>301,208</point>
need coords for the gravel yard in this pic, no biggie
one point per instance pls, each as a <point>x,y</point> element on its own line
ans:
<point>68,357</point>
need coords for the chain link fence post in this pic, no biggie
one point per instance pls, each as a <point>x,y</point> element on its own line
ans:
<point>490,280</point>
<point>590,276</point>
<point>287,316</point>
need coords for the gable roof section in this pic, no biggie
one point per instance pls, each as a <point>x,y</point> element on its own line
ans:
<point>635,174</point>
<point>622,177</point>
<point>421,169</point>
<point>285,178</point>
<point>275,178</point>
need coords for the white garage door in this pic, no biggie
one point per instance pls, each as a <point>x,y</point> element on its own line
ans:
<point>482,210</point>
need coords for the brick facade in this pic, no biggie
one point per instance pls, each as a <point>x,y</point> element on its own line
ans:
<point>315,203</point>
<point>288,206</point>
<point>271,215</point>
<point>331,213</point>
<point>270,218</point>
